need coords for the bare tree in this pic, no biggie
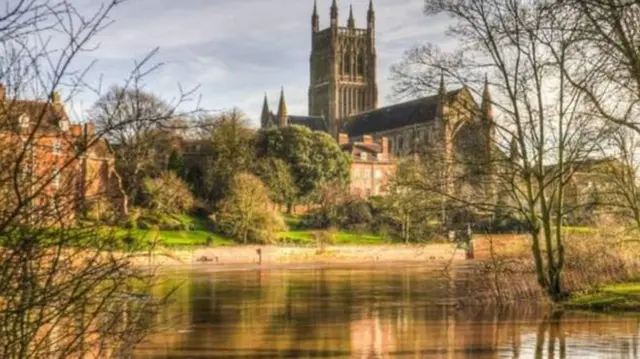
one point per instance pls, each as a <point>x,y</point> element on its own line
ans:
<point>621,167</point>
<point>604,62</point>
<point>65,291</point>
<point>516,46</point>
<point>604,65</point>
<point>141,128</point>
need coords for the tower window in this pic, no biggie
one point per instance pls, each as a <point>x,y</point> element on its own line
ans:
<point>360,65</point>
<point>347,64</point>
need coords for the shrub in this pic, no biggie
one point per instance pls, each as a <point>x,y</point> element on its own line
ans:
<point>355,214</point>
<point>209,241</point>
<point>338,210</point>
<point>246,213</point>
<point>167,194</point>
<point>100,210</point>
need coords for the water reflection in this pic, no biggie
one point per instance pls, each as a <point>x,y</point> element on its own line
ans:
<point>367,313</point>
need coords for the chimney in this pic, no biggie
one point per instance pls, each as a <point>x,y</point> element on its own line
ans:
<point>89,129</point>
<point>76,130</point>
<point>384,141</point>
<point>367,140</point>
<point>55,97</point>
<point>343,139</point>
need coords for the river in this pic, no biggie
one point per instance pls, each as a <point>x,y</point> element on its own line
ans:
<point>398,311</point>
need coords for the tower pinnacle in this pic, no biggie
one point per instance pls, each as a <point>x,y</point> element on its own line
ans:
<point>315,19</point>
<point>283,114</point>
<point>334,13</point>
<point>264,117</point>
<point>486,107</point>
<point>371,15</point>
<point>442,90</point>
<point>442,97</point>
<point>351,22</point>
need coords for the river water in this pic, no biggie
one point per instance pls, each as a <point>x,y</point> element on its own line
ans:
<point>387,312</point>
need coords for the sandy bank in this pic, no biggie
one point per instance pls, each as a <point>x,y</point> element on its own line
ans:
<point>275,255</point>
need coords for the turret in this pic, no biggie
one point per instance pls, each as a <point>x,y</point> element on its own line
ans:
<point>442,98</point>
<point>283,114</point>
<point>514,151</point>
<point>334,14</point>
<point>486,107</point>
<point>351,23</point>
<point>315,19</point>
<point>264,117</point>
<point>486,110</point>
<point>371,16</point>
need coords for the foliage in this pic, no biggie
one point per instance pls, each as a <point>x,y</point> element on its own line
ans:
<point>314,157</point>
<point>175,163</point>
<point>229,151</point>
<point>167,194</point>
<point>247,214</point>
<point>276,175</point>
<point>100,210</point>
<point>413,202</point>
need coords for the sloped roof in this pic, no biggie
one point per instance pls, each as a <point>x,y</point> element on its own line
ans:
<point>395,116</point>
<point>46,113</point>
<point>315,123</point>
<point>369,147</point>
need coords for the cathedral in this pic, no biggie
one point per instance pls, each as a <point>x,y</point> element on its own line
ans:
<point>343,99</point>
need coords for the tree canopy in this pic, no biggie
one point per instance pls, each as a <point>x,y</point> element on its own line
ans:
<point>315,157</point>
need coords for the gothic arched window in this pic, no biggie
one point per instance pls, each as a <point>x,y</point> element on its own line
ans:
<point>360,65</point>
<point>347,64</point>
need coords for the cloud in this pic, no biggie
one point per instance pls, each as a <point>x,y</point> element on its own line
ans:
<point>235,51</point>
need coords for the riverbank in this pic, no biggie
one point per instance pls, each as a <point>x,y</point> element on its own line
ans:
<point>616,297</point>
<point>276,255</point>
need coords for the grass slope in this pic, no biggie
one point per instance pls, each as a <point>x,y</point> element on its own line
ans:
<point>613,297</point>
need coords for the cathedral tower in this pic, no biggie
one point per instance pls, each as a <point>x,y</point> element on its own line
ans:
<point>342,68</point>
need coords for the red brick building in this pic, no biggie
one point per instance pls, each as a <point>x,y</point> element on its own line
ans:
<point>52,169</point>
<point>372,166</point>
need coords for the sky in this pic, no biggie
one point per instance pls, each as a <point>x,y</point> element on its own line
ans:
<point>234,51</point>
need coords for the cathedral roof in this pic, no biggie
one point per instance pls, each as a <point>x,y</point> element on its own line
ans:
<point>395,116</point>
<point>315,123</point>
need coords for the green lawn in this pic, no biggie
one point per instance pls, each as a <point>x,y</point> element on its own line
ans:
<point>199,233</point>
<point>613,297</point>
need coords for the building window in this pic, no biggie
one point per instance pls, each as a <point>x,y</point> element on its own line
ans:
<point>24,121</point>
<point>360,65</point>
<point>400,144</point>
<point>56,147</point>
<point>363,156</point>
<point>56,176</point>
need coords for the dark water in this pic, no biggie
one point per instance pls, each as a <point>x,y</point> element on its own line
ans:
<point>391,312</point>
